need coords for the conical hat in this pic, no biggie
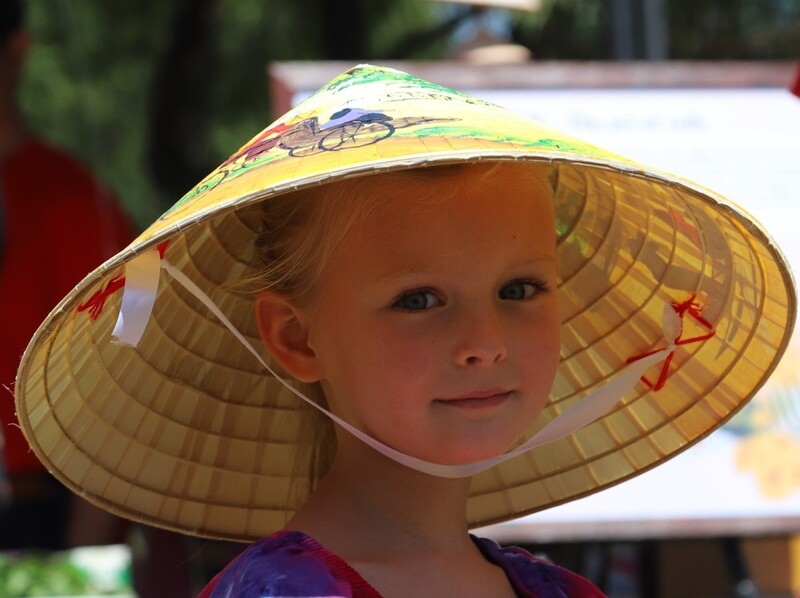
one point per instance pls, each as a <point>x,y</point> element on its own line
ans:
<point>186,431</point>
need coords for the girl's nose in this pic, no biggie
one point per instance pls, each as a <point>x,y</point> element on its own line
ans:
<point>481,341</point>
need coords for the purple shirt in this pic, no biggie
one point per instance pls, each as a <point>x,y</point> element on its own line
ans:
<point>291,564</point>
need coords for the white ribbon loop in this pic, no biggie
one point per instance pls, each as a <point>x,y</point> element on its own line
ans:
<point>138,298</point>
<point>141,285</point>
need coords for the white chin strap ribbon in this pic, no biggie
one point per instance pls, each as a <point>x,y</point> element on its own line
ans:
<point>141,286</point>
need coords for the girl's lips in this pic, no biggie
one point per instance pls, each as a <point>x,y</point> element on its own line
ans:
<point>484,398</point>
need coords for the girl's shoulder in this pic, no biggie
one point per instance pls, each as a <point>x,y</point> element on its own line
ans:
<point>532,576</point>
<point>287,563</point>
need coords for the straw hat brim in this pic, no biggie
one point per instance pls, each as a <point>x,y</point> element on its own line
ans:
<point>188,432</point>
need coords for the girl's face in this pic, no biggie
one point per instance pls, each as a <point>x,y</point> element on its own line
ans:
<point>437,327</point>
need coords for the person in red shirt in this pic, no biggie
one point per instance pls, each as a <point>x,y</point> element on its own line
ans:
<point>56,223</point>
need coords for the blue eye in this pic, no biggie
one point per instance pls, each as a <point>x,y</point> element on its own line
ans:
<point>417,301</point>
<point>520,290</point>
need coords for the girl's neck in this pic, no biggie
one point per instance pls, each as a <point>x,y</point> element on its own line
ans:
<point>368,502</point>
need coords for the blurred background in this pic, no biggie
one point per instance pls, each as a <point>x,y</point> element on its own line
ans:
<point>151,96</point>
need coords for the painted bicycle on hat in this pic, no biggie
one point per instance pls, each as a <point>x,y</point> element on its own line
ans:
<point>345,129</point>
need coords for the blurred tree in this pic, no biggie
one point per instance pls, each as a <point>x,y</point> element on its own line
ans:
<point>735,29</point>
<point>178,141</point>
<point>575,30</point>
<point>697,29</point>
<point>86,86</point>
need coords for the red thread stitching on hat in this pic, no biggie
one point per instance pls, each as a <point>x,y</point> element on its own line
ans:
<point>97,301</point>
<point>691,307</point>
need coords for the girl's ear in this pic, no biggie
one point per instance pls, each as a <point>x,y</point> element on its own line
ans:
<point>285,335</point>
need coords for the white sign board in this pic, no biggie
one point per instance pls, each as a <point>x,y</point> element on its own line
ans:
<point>744,144</point>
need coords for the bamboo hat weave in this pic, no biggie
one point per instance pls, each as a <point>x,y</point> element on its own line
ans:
<point>186,431</point>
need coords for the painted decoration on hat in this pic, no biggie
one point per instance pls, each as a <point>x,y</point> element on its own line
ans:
<point>366,116</point>
<point>347,128</point>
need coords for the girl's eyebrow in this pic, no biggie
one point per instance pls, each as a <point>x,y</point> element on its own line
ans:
<point>390,275</point>
<point>547,259</point>
<point>395,274</point>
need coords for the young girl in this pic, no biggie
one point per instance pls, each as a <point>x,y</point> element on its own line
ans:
<point>464,317</point>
